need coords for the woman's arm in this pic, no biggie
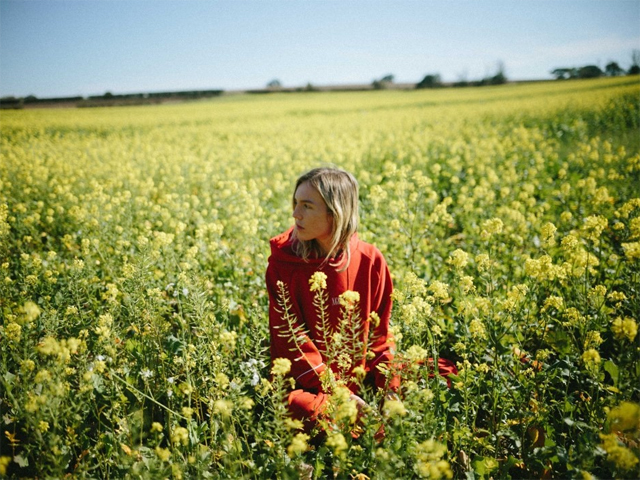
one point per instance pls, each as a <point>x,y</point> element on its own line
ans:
<point>289,338</point>
<point>381,342</point>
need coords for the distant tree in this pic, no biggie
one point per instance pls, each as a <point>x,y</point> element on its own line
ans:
<point>430,81</point>
<point>501,75</point>
<point>634,69</point>
<point>30,99</point>
<point>462,80</point>
<point>613,69</point>
<point>590,71</point>
<point>275,83</point>
<point>108,95</point>
<point>498,79</point>
<point>383,83</point>
<point>562,73</point>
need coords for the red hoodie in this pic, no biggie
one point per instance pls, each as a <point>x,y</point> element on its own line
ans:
<point>367,274</point>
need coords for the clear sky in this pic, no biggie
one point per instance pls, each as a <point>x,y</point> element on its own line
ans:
<point>54,48</point>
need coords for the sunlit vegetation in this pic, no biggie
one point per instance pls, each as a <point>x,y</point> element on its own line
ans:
<point>133,244</point>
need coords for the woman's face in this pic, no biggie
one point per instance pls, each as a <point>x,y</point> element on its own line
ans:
<point>313,221</point>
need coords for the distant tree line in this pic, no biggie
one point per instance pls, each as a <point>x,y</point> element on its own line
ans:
<point>433,80</point>
<point>109,99</point>
<point>612,69</point>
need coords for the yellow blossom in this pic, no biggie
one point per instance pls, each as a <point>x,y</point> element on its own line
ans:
<point>318,281</point>
<point>293,424</point>
<point>13,331</point>
<point>349,299</point>
<point>394,408</point>
<point>5,461</point>
<point>298,445</point>
<point>164,454</point>
<point>429,461</point>
<point>439,289</point>
<point>416,353</point>
<point>223,407</point>
<point>620,455</point>
<point>180,435</point>
<point>591,359</point>
<point>624,328</point>
<point>632,250</point>
<point>337,443</point>
<point>548,232</point>
<point>625,417</point>
<point>31,311</point>
<point>477,329</point>
<point>281,366</point>
<point>459,259</point>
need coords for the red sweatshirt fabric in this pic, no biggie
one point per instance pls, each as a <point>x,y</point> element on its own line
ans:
<point>366,274</point>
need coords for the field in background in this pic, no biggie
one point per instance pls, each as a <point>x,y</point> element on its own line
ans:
<point>134,241</point>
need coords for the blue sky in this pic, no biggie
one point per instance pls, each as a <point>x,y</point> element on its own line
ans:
<point>54,48</point>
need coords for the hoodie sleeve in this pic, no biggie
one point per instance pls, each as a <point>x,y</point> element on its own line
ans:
<point>382,344</point>
<point>306,361</point>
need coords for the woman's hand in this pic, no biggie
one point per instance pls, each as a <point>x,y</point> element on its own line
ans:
<point>359,401</point>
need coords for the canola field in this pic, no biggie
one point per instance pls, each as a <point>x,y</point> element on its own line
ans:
<point>133,245</point>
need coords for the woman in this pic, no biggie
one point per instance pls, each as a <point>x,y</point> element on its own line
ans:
<point>329,295</point>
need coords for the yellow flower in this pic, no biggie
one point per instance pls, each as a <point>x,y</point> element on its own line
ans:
<point>620,455</point>
<point>491,227</point>
<point>466,283</point>
<point>625,417</point>
<point>459,259</point>
<point>632,250</point>
<point>223,407</point>
<point>337,443</point>
<point>548,232</point>
<point>591,359</point>
<point>477,329</point>
<point>156,427</point>
<point>429,460</point>
<point>164,454</point>
<point>625,328</point>
<point>293,424</point>
<point>416,353</point>
<point>180,435</point>
<point>31,311</point>
<point>349,299</point>
<point>483,262</point>
<point>318,281</point>
<point>394,408</point>
<point>593,227</point>
<point>281,366</point>
<point>187,412</point>
<point>13,331</point>
<point>359,372</point>
<point>298,445</point>
<point>43,426</point>
<point>4,463</point>
<point>439,289</point>
<point>228,339</point>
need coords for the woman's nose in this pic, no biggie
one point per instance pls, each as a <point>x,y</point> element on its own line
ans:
<point>296,213</point>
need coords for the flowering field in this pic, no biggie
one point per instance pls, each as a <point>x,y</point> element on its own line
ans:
<point>133,244</point>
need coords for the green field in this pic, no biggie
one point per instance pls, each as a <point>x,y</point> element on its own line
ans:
<point>133,245</point>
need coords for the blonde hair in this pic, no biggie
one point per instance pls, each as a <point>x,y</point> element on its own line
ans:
<point>339,190</point>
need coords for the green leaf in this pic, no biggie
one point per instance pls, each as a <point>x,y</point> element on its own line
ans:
<point>9,378</point>
<point>612,369</point>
